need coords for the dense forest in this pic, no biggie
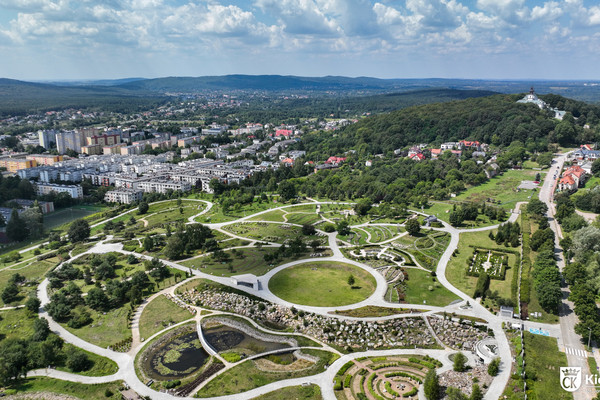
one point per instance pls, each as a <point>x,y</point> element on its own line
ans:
<point>294,110</point>
<point>20,98</point>
<point>497,120</point>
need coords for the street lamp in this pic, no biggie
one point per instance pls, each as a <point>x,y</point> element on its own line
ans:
<point>589,337</point>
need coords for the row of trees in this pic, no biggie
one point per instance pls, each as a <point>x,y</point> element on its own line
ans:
<point>583,276</point>
<point>470,212</point>
<point>507,234</point>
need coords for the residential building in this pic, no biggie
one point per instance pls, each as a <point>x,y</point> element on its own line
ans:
<point>75,191</point>
<point>15,162</point>
<point>163,186</point>
<point>123,196</point>
<point>44,159</point>
<point>47,138</point>
<point>69,140</point>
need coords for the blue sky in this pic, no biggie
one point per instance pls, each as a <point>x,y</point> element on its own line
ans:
<point>489,39</point>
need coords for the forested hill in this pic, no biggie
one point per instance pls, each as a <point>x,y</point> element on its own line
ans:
<point>497,119</point>
<point>19,97</point>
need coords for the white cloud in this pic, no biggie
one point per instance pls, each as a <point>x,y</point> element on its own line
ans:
<point>550,11</point>
<point>302,17</point>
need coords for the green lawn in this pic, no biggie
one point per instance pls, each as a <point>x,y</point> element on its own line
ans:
<point>543,358</point>
<point>216,214</point>
<point>248,260</point>
<point>247,376</point>
<point>173,215</point>
<point>323,284</point>
<point>301,218</point>
<point>33,271</point>
<point>106,329</point>
<point>310,392</point>
<point>502,188</point>
<point>274,216</point>
<point>160,313</point>
<point>418,289</point>
<point>457,267</point>
<point>15,324</point>
<point>277,233</point>
<point>78,390</point>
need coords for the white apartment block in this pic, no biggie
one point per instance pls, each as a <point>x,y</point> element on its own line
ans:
<point>162,186</point>
<point>75,191</point>
<point>123,196</point>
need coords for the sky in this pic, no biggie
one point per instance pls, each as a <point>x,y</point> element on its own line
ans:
<point>480,39</point>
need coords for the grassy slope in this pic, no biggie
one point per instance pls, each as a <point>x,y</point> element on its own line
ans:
<point>158,311</point>
<point>417,289</point>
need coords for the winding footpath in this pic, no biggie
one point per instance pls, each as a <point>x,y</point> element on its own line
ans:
<point>125,361</point>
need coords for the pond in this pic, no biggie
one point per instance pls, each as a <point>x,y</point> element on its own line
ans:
<point>224,338</point>
<point>175,357</point>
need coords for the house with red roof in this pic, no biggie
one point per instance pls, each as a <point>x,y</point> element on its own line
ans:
<point>335,160</point>
<point>469,144</point>
<point>288,162</point>
<point>283,133</point>
<point>417,157</point>
<point>567,183</point>
<point>435,153</point>
<point>572,178</point>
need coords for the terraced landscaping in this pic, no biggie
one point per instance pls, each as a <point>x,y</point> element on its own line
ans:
<point>382,377</point>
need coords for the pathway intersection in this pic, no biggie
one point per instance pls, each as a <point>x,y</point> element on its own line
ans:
<point>125,361</point>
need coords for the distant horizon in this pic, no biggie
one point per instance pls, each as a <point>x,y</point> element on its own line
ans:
<point>301,76</point>
<point>48,40</point>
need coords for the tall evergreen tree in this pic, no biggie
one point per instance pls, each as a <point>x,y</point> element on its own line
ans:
<point>432,385</point>
<point>16,229</point>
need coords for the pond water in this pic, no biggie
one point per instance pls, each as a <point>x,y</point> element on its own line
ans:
<point>223,338</point>
<point>176,357</point>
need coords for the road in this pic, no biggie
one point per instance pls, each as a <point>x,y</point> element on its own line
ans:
<point>571,342</point>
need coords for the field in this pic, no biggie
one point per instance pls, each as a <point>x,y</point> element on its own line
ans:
<point>322,284</point>
<point>503,189</point>
<point>543,358</point>
<point>160,313</point>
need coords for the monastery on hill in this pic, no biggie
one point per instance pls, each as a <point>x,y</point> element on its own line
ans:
<point>532,98</point>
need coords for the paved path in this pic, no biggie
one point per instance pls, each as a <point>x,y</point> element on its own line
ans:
<point>325,379</point>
